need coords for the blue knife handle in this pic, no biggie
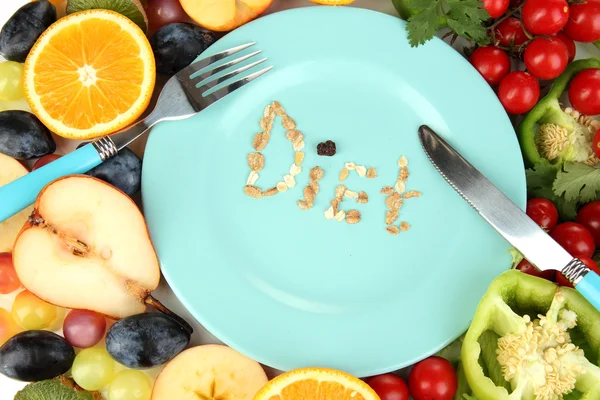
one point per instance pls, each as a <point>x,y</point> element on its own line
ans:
<point>22,192</point>
<point>589,287</point>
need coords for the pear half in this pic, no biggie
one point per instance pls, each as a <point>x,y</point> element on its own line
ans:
<point>11,169</point>
<point>86,246</point>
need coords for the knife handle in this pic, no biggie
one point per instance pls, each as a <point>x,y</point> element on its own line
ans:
<point>589,287</point>
<point>21,193</point>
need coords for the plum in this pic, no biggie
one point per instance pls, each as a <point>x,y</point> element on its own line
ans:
<point>123,171</point>
<point>23,29</point>
<point>23,136</point>
<point>176,45</point>
<point>146,340</point>
<point>33,356</point>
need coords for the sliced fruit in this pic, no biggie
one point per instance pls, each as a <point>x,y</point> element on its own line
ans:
<point>224,15</point>
<point>11,169</point>
<point>8,326</point>
<point>210,372</point>
<point>314,384</point>
<point>132,9</point>
<point>333,2</point>
<point>90,74</point>
<point>87,247</point>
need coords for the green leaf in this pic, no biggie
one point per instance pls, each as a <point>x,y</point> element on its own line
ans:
<point>422,27</point>
<point>469,30</point>
<point>578,182</point>
<point>423,4</point>
<point>51,390</point>
<point>540,180</point>
<point>466,17</point>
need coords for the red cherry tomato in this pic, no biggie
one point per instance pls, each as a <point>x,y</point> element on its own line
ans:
<point>389,387</point>
<point>9,281</point>
<point>510,32</point>
<point>584,22</point>
<point>543,212</point>
<point>584,91</point>
<point>48,158</point>
<point>528,268</point>
<point>433,379</point>
<point>545,17</point>
<point>569,44</point>
<point>589,217</point>
<point>518,92</point>
<point>546,58</point>
<point>496,7</point>
<point>491,62</point>
<point>591,264</point>
<point>575,238</point>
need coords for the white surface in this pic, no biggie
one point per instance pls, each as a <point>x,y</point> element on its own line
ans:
<point>8,388</point>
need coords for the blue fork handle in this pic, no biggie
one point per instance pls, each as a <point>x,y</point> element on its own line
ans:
<point>589,287</point>
<point>22,192</point>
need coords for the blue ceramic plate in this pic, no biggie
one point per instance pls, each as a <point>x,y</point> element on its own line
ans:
<point>288,287</point>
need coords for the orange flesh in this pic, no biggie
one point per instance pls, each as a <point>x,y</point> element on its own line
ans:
<point>309,389</point>
<point>89,73</point>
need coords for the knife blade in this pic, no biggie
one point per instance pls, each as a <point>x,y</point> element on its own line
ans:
<point>506,217</point>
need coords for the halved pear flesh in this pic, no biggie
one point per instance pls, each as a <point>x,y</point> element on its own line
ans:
<point>87,247</point>
<point>11,169</point>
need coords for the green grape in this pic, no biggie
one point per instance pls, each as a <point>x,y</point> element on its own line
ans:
<point>130,385</point>
<point>93,368</point>
<point>11,77</point>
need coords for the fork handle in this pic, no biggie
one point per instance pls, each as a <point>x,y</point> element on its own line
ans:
<point>21,193</point>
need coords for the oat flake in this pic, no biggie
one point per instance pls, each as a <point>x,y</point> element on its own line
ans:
<point>353,217</point>
<point>303,205</point>
<point>340,215</point>
<point>316,173</point>
<point>256,161</point>
<point>403,161</point>
<point>289,181</point>
<point>339,192</point>
<point>295,169</point>
<point>343,175</point>
<point>391,217</point>
<point>288,123</point>
<point>270,192</point>
<point>298,158</point>
<point>329,213</point>
<point>393,229</point>
<point>412,193</point>
<point>404,226</point>
<point>253,191</point>
<point>281,186</point>
<point>363,198</point>
<point>361,170</point>
<point>252,178</point>
<point>314,186</point>
<point>371,173</point>
<point>349,193</point>
<point>400,187</point>
<point>387,190</point>
<point>298,146</point>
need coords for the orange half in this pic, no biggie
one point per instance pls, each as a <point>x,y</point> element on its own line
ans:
<point>90,74</point>
<point>316,384</point>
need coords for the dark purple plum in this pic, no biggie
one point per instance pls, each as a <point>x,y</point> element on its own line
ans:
<point>146,340</point>
<point>23,29</point>
<point>176,45</point>
<point>23,136</point>
<point>34,356</point>
<point>123,171</point>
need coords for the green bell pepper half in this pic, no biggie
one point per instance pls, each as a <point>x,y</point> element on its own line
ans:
<point>548,110</point>
<point>510,296</point>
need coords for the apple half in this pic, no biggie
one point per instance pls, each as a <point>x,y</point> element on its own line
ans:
<point>11,169</point>
<point>224,15</point>
<point>86,246</point>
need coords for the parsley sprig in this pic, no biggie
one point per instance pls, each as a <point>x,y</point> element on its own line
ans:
<point>464,17</point>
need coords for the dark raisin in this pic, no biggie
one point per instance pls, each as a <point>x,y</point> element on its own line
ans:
<point>326,148</point>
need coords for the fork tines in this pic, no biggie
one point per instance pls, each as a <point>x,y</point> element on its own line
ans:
<point>210,68</point>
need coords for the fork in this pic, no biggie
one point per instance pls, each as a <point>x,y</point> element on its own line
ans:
<point>183,96</point>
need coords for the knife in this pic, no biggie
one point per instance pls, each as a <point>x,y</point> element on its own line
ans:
<point>506,217</point>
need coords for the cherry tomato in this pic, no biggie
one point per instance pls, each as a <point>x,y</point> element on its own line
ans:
<point>589,216</point>
<point>584,91</point>
<point>528,268</point>
<point>584,23</point>
<point>591,264</point>
<point>545,17</point>
<point>518,92</point>
<point>510,32</point>
<point>575,238</point>
<point>569,44</point>
<point>9,281</point>
<point>546,58</point>
<point>433,379</point>
<point>496,7</point>
<point>491,62</point>
<point>389,387</point>
<point>543,212</point>
<point>48,158</point>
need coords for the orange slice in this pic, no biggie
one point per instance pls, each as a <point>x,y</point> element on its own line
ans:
<point>333,2</point>
<point>224,15</point>
<point>89,74</point>
<point>316,384</point>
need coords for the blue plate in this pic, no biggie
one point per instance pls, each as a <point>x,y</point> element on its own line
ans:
<point>288,287</point>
